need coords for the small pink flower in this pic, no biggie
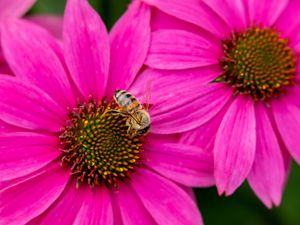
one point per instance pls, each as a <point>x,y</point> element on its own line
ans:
<point>56,120</point>
<point>240,60</point>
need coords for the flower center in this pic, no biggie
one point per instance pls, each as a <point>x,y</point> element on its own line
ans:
<point>258,62</point>
<point>97,145</point>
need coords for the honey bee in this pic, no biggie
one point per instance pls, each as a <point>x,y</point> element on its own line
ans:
<point>138,117</point>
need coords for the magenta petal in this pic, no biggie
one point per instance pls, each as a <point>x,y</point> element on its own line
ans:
<point>174,94</point>
<point>4,68</point>
<point>231,11</point>
<point>65,210</point>
<point>7,128</point>
<point>185,164</point>
<point>178,49</point>
<point>204,136</point>
<point>207,103</point>
<point>165,84</point>
<point>265,12</point>
<point>96,207</point>
<point>130,39</point>
<point>289,20</point>
<point>289,25</point>
<point>235,144</point>
<point>14,8</point>
<point>195,12</point>
<point>165,200</point>
<point>86,46</point>
<point>267,175</point>
<point>25,106</point>
<point>286,112</point>
<point>25,152</point>
<point>132,210</point>
<point>16,181</point>
<point>52,23</point>
<point>43,65</point>
<point>22,202</point>
<point>78,206</point>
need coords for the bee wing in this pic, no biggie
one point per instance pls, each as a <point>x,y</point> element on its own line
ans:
<point>135,117</point>
<point>148,94</point>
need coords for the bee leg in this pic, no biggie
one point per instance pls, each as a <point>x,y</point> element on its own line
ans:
<point>129,124</point>
<point>113,112</point>
<point>116,112</point>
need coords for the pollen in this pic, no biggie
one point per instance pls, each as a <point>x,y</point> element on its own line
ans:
<point>258,62</point>
<point>97,146</point>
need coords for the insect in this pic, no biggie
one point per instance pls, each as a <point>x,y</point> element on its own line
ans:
<point>138,117</point>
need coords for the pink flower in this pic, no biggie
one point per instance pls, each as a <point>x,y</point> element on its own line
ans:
<point>17,8</point>
<point>240,60</point>
<point>56,120</point>
<point>11,8</point>
<point>14,8</point>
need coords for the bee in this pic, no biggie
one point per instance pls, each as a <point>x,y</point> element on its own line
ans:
<point>138,117</point>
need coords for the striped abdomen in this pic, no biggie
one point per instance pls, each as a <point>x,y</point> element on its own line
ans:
<point>127,101</point>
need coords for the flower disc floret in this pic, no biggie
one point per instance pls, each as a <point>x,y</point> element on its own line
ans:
<point>97,145</point>
<point>258,62</point>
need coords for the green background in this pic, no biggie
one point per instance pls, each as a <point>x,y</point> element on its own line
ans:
<point>242,208</point>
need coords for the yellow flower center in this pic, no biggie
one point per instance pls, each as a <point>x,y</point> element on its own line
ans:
<point>97,146</point>
<point>258,62</point>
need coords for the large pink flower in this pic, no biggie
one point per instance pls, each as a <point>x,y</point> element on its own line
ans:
<point>55,122</point>
<point>241,61</point>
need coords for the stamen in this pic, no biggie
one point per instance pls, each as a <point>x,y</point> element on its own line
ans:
<point>97,146</point>
<point>258,62</point>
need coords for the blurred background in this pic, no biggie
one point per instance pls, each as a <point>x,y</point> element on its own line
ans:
<point>242,208</point>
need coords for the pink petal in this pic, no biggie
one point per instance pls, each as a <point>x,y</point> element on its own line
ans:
<point>5,69</point>
<point>265,12</point>
<point>96,207</point>
<point>179,49</point>
<point>86,47</point>
<point>166,201</point>
<point>130,39</point>
<point>233,12</point>
<point>53,23</point>
<point>206,104</point>
<point>25,106</point>
<point>185,164</point>
<point>190,192</point>
<point>163,21</point>
<point>19,180</point>
<point>7,128</point>
<point>132,210</point>
<point>22,202</point>
<point>234,148</point>
<point>116,209</point>
<point>43,65</point>
<point>14,8</point>
<point>267,176</point>
<point>66,208</point>
<point>289,20</point>
<point>204,136</point>
<point>296,48</point>
<point>286,112</point>
<point>81,205</point>
<point>176,94</point>
<point>25,152</point>
<point>195,12</point>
